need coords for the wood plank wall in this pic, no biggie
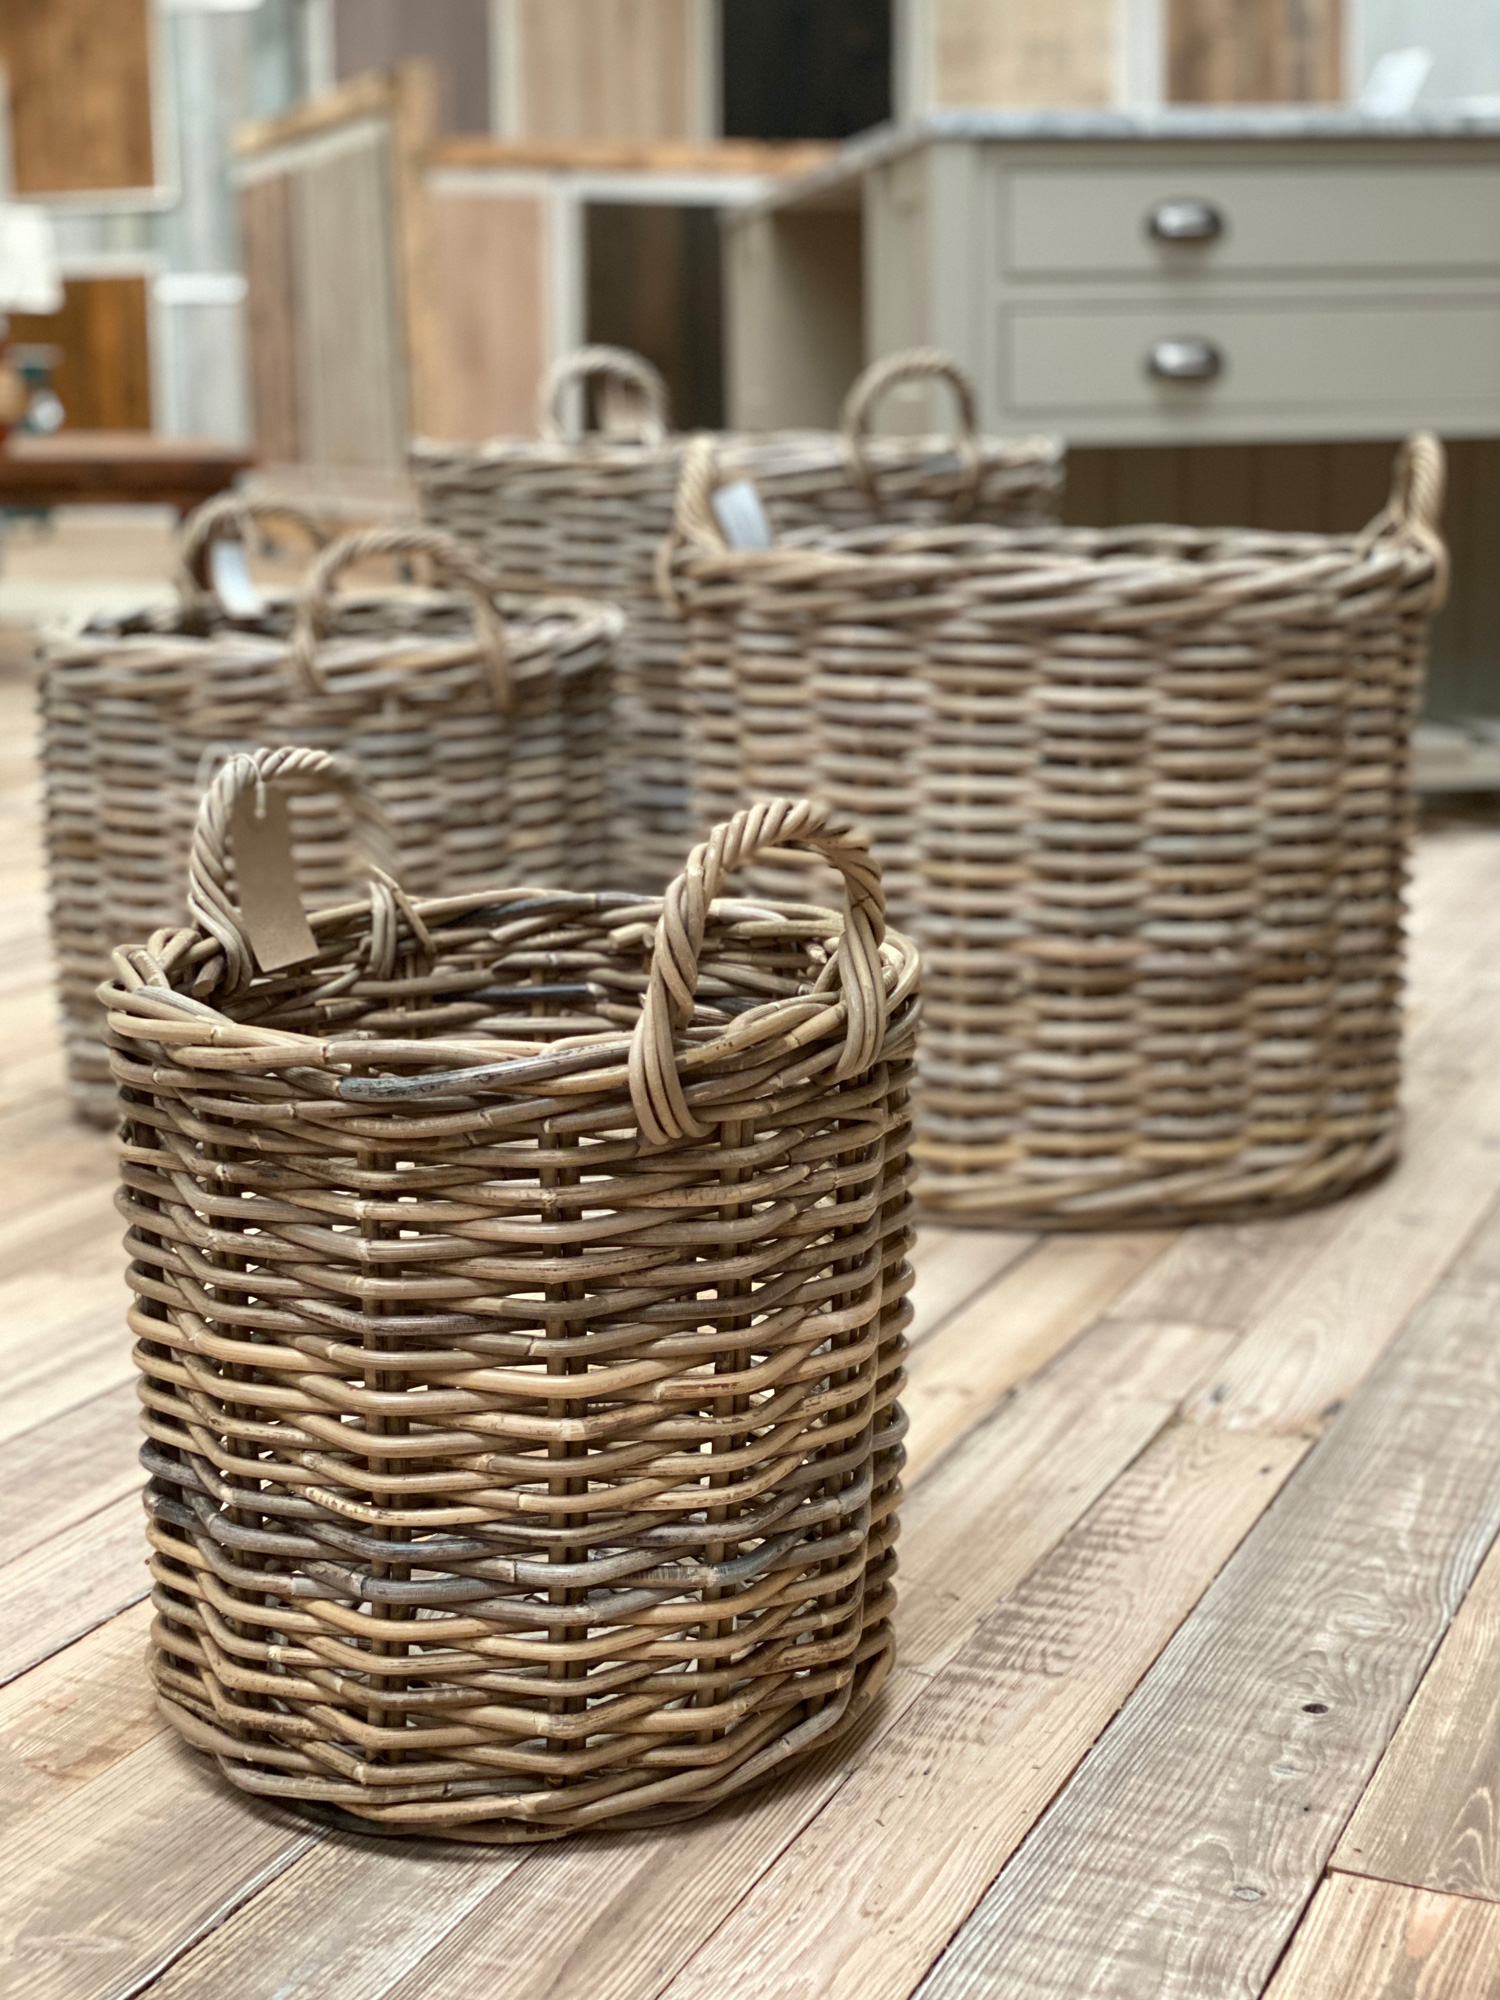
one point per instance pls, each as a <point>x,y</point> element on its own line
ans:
<point>1024,52</point>
<point>1255,51</point>
<point>489,272</point>
<point>606,69</point>
<point>79,75</point>
<point>268,250</point>
<point>104,376</point>
<point>1330,489</point>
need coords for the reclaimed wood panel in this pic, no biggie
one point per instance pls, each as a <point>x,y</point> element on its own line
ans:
<point>1431,1817</point>
<point>205,1848</point>
<point>73,1717</point>
<point>1254,51</point>
<point>351,361</point>
<point>1379,1941</point>
<point>862,1903</point>
<point>1179,1860</point>
<point>267,211</point>
<point>490,279</point>
<point>1319,1339</point>
<point>63,1588</point>
<point>68,1469</point>
<point>103,330</point>
<point>1041,52</point>
<point>1011,1331</point>
<point>79,75</point>
<point>605,69</point>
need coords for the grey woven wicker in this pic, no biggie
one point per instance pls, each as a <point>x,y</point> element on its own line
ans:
<point>764,718</point>
<point>489,748</point>
<point>1144,795</point>
<point>520,1291</point>
<point>589,513</point>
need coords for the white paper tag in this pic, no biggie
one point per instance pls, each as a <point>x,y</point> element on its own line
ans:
<point>233,585</point>
<point>741,517</point>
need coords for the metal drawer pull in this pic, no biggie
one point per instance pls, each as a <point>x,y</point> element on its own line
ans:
<point>1185,222</point>
<point>1185,361</point>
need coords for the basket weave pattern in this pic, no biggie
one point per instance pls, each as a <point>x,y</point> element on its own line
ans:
<point>489,749</point>
<point>589,514</point>
<point>520,1293</point>
<point>1145,802</point>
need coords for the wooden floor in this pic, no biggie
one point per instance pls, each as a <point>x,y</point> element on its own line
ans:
<point>1199,1691</point>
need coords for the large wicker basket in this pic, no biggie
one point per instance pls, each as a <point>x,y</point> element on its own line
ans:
<point>520,1290</point>
<point>589,513</point>
<point>1145,802</point>
<point>487,741</point>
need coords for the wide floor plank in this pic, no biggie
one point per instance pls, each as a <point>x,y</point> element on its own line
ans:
<point>64,1587</point>
<point>63,1471</point>
<point>1379,1941</point>
<point>862,1903</point>
<point>1431,1816</point>
<point>1178,1861</point>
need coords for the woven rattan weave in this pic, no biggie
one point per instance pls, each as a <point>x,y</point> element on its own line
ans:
<point>488,746</point>
<point>589,513</point>
<point>520,1291</point>
<point>764,717</point>
<point>1144,798</point>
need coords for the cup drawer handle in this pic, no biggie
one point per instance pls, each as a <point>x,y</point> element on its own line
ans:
<point>1185,361</point>
<point>1185,222</point>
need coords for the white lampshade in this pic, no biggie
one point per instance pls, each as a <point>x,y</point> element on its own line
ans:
<point>29,280</point>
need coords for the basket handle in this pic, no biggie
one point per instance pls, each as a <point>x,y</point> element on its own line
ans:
<point>693,523</point>
<point>267,928</point>
<point>1419,484</point>
<point>224,513</point>
<point>616,364</point>
<point>656,1091</point>
<point>450,558</point>
<point>912,364</point>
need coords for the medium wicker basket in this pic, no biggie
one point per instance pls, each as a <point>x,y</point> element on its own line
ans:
<point>1144,799</point>
<point>589,513</point>
<point>486,737</point>
<point>520,1291</point>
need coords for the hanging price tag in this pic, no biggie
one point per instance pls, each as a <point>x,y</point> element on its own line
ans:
<point>229,573</point>
<point>266,876</point>
<point>741,517</point>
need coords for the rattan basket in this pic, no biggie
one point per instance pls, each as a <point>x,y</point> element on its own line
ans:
<point>1144,799</point>
<point>519,1295</point>
<point>590,512</point>
<point>487,741</point>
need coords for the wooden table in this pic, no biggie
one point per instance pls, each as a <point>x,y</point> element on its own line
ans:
<point>95,468</point>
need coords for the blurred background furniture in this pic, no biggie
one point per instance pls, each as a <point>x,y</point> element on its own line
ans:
<point>97,468</point>
<point>1228,315</point>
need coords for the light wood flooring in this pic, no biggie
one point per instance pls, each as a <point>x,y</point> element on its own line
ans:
<point>1199,1691</point>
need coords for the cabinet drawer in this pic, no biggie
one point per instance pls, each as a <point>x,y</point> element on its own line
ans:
<point>1072,221</point>
<point>1354,357</point>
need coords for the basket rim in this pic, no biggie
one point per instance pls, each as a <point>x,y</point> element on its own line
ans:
<point>599,1062</point>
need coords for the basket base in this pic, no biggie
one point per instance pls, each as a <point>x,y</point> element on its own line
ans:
<point>959,1201</point>
<point>816,1732</point>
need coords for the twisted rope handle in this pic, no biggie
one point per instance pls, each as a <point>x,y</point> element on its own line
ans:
<point>451,560</point>
<point>229,512</point>
<point>693,523</point>
<point>1419,484</point>
<point>208,895</point>
<point>616,364</point>
<point>913,364</point>
<point>656,1092</point>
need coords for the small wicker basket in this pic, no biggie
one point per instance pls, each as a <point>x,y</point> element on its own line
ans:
<point>520,1291</point>
<point>589,513</point>
<point>485,736</point>
<point>1144,799</point>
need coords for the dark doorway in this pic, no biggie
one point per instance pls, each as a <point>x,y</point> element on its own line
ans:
<point>805,69</point>
<point>654,284</point>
